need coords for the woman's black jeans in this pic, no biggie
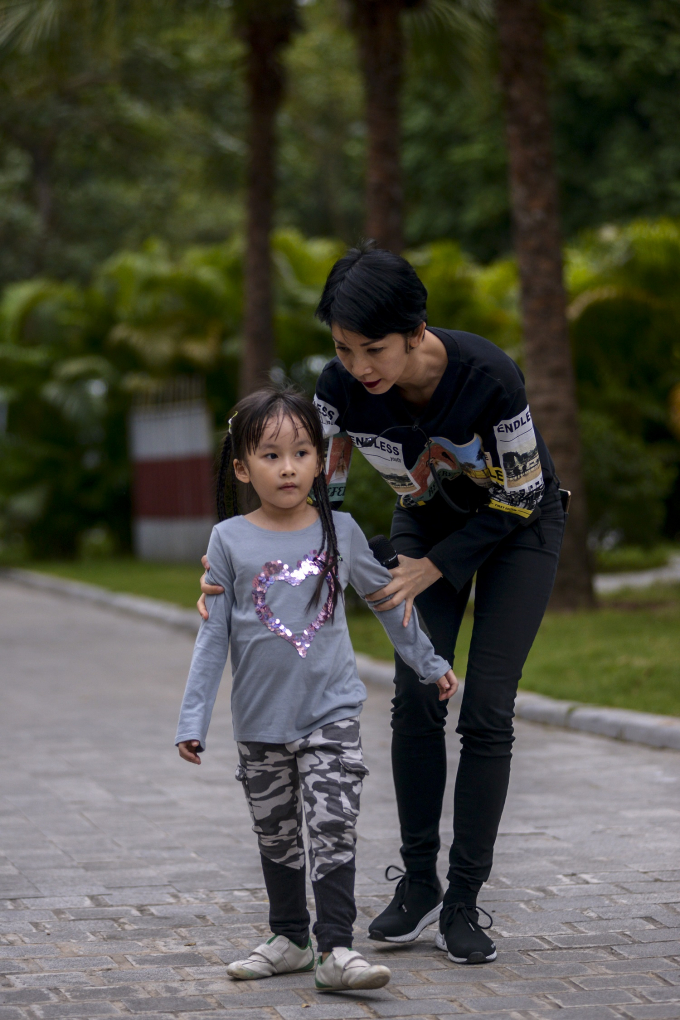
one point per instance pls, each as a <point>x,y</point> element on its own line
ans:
<point>512,591</point>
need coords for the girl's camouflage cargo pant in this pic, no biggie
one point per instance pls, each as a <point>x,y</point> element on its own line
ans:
<point>318,776</point>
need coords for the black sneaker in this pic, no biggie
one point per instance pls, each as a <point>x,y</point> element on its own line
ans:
<point>416,903</point>
<point>462,937</point>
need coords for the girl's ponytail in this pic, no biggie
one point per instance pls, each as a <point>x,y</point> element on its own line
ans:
<point>225,472</point>
<point>329,544</point>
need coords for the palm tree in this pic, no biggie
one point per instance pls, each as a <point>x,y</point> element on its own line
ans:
<point>380,38</point>
<point>266,27</point>
<point>446,30</point>
<point>538,245</point>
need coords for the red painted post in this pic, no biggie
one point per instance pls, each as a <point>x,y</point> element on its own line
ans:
<point>171,445</point>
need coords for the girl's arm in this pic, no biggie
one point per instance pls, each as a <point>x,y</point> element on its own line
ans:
<point>366,575</point>
<point>210,652</point>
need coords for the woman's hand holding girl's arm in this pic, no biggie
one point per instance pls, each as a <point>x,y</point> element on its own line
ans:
<point>408,580</point>
<point>207,589</point>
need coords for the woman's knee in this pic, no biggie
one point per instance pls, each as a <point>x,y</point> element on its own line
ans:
<point>485,723</point>
<point>416,709</point>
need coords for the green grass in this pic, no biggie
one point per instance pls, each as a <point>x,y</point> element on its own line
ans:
<point>626,654</point>
<point>634,557</point>
<point>172,582</point>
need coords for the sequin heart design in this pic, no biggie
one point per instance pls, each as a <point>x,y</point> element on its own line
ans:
<point>310,565</point>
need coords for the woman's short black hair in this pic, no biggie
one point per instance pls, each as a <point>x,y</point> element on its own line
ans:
<point>373,292</point>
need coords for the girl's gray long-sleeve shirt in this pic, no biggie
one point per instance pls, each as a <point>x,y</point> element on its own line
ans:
<point>293,668</point>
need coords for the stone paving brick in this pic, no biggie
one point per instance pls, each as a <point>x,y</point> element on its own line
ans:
<point>62,1010</point>
<point>24,996</point>
<point>539,986</point>
<point>124,855</point>
<point>657,1012</point>
<point>593,997</point>
<point>592,939</point>
<point>169,960</point>
<point>641,965</point>
<point>632,981</point>
<point>532,970</point>
<point>55,981</point>
<point>82,962</point>
<point>324,1011</point>
<point>485,1003</point>
<point>413,1007</point>
<point>168,1003</point>
<point>658,935</point>
<point>264,996</point>
<point>663,994</point>
<point>11,1013</point>
<point>581,1013</point>
<point>651,949</point>
<point>11,967</point>
<point>262,1013</point>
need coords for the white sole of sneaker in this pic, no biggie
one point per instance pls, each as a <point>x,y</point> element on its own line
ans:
<point>440,943</point>
<point>378,979</point>
<point>242,974</point>
<point>423,923</point>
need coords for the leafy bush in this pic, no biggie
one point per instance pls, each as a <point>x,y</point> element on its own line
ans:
<point>72,357</point>
<point>626,480</point>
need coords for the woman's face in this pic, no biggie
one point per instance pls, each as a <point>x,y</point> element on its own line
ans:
<point>377,364</point>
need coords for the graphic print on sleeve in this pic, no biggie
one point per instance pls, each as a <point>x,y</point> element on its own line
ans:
<point>509,468</point>
<point>476,437</point>
<point>520,465</point>
<point>338,450</point>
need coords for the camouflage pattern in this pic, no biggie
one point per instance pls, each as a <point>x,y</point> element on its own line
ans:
<point>319,775</point>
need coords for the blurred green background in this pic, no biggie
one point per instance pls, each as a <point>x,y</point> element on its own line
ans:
<point>121,247</point>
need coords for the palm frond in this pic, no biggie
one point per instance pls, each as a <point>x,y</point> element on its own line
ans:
<point>450,36</point>
<point>25,24</point>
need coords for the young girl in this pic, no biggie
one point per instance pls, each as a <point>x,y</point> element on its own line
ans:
<point>296,695</point>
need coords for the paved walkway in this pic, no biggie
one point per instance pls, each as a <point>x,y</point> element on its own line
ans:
<point>129,878</point>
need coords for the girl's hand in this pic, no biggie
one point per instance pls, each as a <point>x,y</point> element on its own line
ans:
<point>187,750</point>
<point>408,580</point>
<point>448,685</point>
<point>207,589</point>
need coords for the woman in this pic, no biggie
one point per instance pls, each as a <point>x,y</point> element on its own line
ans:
<point>442,415</point>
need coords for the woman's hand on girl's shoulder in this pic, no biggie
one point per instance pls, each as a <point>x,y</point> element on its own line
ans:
<point>206,589</point>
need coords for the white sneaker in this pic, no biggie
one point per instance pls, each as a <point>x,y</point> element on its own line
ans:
<point>278,955</point>
<point>346,968</point>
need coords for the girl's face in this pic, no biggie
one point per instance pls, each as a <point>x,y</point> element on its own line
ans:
<point>283,467</point>
<point>377,364</point>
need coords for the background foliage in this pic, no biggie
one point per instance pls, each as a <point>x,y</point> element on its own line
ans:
<point>121,173</point>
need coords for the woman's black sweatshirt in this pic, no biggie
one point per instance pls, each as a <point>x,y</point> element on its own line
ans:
<point>476,433</point>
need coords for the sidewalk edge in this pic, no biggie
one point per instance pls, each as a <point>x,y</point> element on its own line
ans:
<point>617,723</point>
<point>133,605</point>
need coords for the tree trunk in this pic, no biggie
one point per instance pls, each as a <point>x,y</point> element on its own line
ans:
<point>41,156</point>
<point>535,209</point>
<point>381,55</point>
<point>266,27</point>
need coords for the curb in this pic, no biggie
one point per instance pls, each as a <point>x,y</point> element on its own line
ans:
<point>617,723</point>
<point>133,605</point>
<point>609,583</point>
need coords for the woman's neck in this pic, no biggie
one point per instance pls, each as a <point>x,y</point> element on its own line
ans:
<point>426,365</point>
